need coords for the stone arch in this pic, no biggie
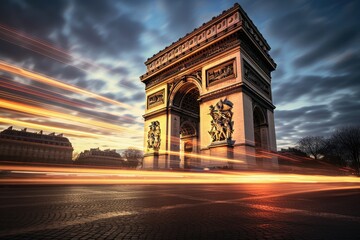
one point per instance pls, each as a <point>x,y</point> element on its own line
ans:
<point>186,84</point>
<point>260,128</point>
<point>259,116</point>
<point>187,129</point>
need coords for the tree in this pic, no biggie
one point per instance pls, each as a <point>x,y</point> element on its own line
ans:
<point>312,146</point>
<point>348,139</point>
<point>334,153</point>
<point>133,157</point>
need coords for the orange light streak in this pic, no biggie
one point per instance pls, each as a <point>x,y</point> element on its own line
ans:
<point>48,96</point>
<point>48,106</point>
<point>48,113</point>
<point>50,129</point>
<point>202,156</point>
<point>56,83</point>
<point>46,49</point>
<point>159,177</point>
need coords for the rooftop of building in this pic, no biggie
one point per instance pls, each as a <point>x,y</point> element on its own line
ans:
<point>10,131</point>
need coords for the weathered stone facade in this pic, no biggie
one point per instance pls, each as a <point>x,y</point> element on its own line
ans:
<point>24,146</point>
<point>210,93</point>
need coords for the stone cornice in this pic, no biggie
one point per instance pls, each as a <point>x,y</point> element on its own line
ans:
<point>227,42</point>
<point>221,92</point>
<point>205,35</point>
<point>155,113</point>
<point>238,87</point>
<point>258,97</point>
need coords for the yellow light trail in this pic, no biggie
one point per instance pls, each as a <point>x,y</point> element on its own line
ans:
<point>202,156</point>
<point>48,113</point>
<point>44,112</point>
<point>42,93</point>
<point>47,106</point>
<point>160,177</point>
<point>50,129</point>
<point>47,49</point>
<point>56,83</point>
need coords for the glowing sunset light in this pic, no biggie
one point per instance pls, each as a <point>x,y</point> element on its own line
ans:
<point>52,82</point>
<point>48,113</point>
<point>160,177</point>
<point>49,128</point>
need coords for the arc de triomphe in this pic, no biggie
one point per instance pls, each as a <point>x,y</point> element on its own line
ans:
<point>209,100</point>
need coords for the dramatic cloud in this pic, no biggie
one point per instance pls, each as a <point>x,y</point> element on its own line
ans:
<point>100,46</point>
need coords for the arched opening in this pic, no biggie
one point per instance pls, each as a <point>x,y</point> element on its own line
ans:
<point>188,141</point>
<point>260,134</point>
<point>259,122</point>
<point>184,102</point>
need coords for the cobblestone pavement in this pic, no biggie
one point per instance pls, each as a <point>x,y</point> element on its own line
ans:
<point>258,211</point>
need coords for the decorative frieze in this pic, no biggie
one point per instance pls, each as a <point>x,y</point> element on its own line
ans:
<point>155,99</point>
<point>203,35</point>
<point>209,52</point>
<point>253,77</point>
<point>221,123</point>
<point>221,72</point>
<point>154,136</point>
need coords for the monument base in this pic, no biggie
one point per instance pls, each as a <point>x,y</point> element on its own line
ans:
<point>218,155</point>
<point>154,160</point>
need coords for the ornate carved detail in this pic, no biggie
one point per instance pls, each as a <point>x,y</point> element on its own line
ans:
<point>252,30</point>
<point>237,87</point>
<point>197,74</point>
<point>155,99</point>
<point>203,55</point>
<point>154,136</point>
<point>204,34</point>
<point>252,76</point>
<point>221,123</point>
<point>252,53</point>
<point>221,72</point>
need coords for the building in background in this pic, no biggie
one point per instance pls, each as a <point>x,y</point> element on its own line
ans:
<point>97,157</point>
<point>24,146</point>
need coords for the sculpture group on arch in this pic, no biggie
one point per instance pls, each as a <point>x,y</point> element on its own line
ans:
<point>221,123</point>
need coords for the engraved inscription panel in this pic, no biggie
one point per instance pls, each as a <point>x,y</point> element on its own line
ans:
<point>221,72</point>
<point>155,99</point>
<point>252,76</point>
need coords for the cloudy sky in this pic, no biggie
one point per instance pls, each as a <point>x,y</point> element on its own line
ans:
<point>74,66</point>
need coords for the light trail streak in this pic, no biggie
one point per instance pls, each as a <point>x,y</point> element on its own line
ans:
<point>48,50</point>
<point>48,113</point>
<point>43,93</point>
<point>44,48</point>
<point>22,99</point>
<point>201,156</point>
<point>56,83</point>
<point>159,177</point>
<point>49,128</point>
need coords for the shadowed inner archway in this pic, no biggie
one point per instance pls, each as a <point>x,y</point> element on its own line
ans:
<point>188,108</point>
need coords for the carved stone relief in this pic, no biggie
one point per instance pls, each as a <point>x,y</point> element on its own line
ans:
<point>221,123</point>
<point>154,136</point>
<point>253,77</point>
<point>155,99</point>
<point>206,35</point>
<point>221,72</point>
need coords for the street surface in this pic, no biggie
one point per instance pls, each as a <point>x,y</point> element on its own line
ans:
<point>243,211</point>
